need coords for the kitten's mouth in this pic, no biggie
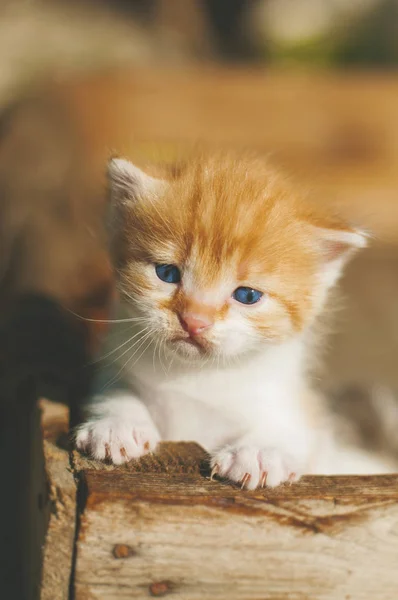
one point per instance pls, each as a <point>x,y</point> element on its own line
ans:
<point>190,342</point>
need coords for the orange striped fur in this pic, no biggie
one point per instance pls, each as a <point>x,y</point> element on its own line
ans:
<point>227,221</point>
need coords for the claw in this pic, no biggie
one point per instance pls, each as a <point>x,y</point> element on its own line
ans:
<point>245,479</point>
<point>108,455</point>
<point>214,471</point>
<point>263,480</point>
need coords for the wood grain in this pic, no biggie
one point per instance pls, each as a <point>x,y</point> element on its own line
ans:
<point>157,529</point>
<point>60,537</point>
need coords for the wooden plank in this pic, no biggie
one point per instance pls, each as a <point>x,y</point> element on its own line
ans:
<point>162,528</point>
<point>59,542</point>
<point>338,123</point>
<point>41,350</point>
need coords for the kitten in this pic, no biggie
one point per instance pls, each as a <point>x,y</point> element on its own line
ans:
<point>222,272</point>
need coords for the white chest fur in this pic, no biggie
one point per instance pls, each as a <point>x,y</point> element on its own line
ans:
<point>212,403</point>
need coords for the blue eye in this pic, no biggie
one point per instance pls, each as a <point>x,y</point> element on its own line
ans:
<point>168,273</point>
<point>246,295</point>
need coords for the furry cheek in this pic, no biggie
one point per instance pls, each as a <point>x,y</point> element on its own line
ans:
<point>141,286</point>
<point>272,322</point>
<point>234,334</point>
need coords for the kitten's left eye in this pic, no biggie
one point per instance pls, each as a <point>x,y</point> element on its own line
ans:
<point>168,273</point>
<point>246,295</point>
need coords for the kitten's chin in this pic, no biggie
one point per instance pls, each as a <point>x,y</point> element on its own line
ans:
<point>189,350</point>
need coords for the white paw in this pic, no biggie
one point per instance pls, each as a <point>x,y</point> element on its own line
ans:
<point>254,466</point>
<point>115,439</point>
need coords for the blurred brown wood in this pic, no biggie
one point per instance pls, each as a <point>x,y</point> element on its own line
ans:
<point>338,133</point>
<point>51,217</point>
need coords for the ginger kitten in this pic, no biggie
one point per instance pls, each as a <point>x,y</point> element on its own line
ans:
<point>222,273</point>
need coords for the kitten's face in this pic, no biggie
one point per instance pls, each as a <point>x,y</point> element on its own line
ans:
<point>222,258</point>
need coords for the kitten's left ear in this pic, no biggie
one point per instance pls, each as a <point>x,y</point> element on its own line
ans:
<point>336,247</point>
<point>128,183</point>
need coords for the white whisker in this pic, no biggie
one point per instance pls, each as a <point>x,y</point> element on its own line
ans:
<point>119,347</point>
<point>127,320</point>
<point>153,355</point>
<point>143,352</point>
<point>128,295</point>
<point>171,361</point>
<point>143,333</point>
<point>161,348</point>
<point>140,342</point>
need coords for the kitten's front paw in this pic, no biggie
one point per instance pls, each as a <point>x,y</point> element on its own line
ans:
<point>115,439</point>
<point>254,466</point>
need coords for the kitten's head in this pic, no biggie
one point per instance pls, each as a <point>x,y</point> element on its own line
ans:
<point>220,256</point>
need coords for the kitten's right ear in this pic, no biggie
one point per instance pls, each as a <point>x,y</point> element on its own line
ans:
<point>128,183</point>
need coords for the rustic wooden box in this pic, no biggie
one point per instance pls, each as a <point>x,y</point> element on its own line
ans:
<point>159,527</point>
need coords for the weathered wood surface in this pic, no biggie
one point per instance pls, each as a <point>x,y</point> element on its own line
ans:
<point>160,527</point>
<point>58,549</point>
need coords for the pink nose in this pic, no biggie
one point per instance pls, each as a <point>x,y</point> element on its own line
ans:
<point>195,324</point>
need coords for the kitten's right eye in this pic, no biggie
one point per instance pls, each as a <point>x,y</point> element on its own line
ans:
<point>246,295</point>
<point>168,273</point>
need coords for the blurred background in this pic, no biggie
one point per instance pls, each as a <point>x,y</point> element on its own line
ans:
<point>311,82</point>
